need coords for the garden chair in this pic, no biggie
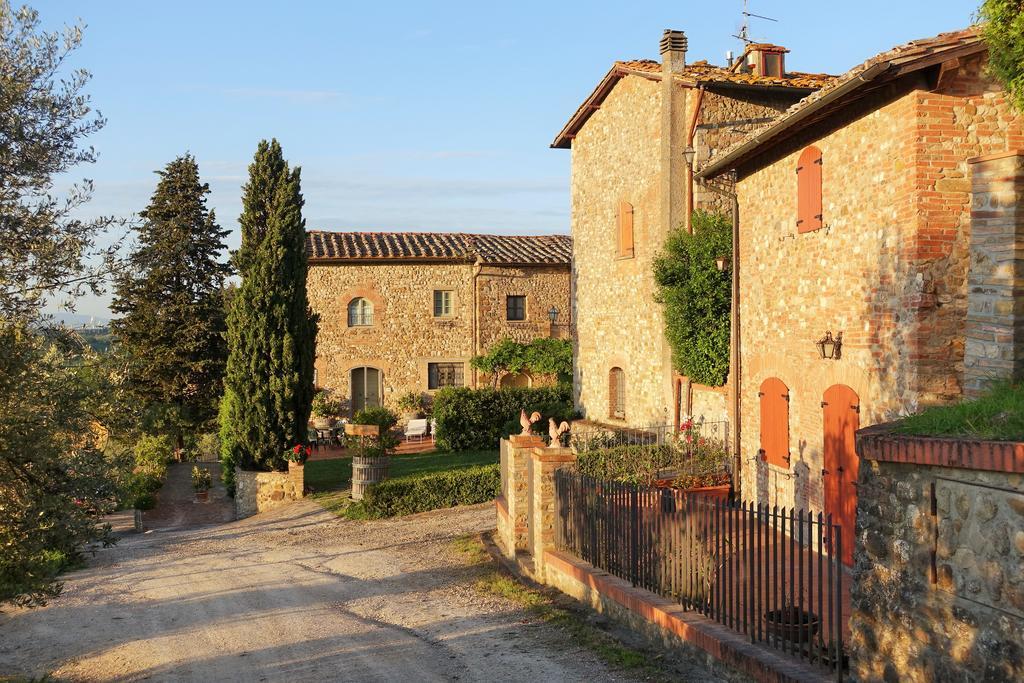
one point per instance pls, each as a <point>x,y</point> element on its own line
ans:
<point>416,429</point>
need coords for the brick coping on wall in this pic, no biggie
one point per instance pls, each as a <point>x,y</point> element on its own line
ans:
<point>879,443</point>
<point>720,642</point>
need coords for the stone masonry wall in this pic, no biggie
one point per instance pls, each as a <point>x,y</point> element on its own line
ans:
<point>994,347</point>
<point>888,269</point>
<point>406,336</point>
<point>616,157</point>
<point>257,492</point>
<point>963,622</point>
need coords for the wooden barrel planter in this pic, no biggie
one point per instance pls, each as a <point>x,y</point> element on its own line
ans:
<point>367,471</point>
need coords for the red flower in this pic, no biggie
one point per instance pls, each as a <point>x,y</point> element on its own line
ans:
<point>297,449</point>
<point>309,451</point>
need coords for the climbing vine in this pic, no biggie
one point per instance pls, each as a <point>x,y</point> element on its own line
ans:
<point>542,356</point>
<point>697,297</point>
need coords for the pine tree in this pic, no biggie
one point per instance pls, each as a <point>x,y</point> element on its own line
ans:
<point>271,329</point>
<point>172,323</point>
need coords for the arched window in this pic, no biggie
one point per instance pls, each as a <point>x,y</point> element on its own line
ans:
<point>808,187</point>
<point>360,312</point>
<point>774,397</point>
<point>617,394</point>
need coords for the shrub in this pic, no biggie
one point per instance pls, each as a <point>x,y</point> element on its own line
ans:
<point>412,401</point>
<point>697,297</point>
<point>208,446</point>
<point>380,416</point>
<point>406,495</point>
<point>201,479</point>
<point>704,462</point>
<point>473,419</point>
<point>1004,34</point>
<point>542,356</point>
<point>324,405</point>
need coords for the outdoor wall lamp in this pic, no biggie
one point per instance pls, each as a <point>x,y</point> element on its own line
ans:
<point>829,347</point>
<point>688,155</point>
<point>553,315</point>
<point>720,263</point>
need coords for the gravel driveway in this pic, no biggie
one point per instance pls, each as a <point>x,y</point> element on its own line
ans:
<point>292,595</point>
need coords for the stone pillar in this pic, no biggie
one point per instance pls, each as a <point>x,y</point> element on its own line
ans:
<point>994,335</point>
<point>543,465</point>
<point>513,531</point>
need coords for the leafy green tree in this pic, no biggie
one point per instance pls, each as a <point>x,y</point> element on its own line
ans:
<point>171,328</point>
<point>55,484</point>
<point>697,297</point>
<point>47,250</point>
<point>271,329</point>
<point>1004,33</point>
<point>542,356</point>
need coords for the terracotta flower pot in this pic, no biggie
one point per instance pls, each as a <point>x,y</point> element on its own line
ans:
<point>202,496</point>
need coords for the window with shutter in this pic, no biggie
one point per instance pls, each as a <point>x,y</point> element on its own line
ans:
<point>617,393</point>
<point>808,184</point>
<point>774,397</point>
<point>625,237</point>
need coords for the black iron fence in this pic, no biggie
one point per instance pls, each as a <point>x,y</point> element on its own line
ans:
<point>772,574</point>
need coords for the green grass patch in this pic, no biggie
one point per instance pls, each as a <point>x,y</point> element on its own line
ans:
<point>554,608</point>
<point>331,479</point>
<point>998,415</point>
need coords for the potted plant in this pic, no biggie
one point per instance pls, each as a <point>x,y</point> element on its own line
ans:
<point>297,455</point>
<point>412,405</point>
<point>792,624</point>
<point>201,483</point>
<point>325,410</point>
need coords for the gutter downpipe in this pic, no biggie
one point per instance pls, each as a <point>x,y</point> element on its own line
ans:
<point>689,167</point>
<point>735,334</point>
<point>476,315</point>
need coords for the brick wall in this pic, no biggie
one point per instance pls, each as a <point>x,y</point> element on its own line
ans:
<point>888,269</point>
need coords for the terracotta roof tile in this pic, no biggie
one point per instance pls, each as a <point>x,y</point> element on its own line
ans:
<point>444,246</point>
<point>925,50</point>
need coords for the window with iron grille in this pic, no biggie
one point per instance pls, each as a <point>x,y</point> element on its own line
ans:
<point>442,303</point>
<point>617,393</point>
<point>515,308</point>
<point>360,313</point>
<point>440,375</point>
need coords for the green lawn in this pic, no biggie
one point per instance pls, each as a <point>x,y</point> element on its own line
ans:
<point>997,415</point>
<point>332,475</point>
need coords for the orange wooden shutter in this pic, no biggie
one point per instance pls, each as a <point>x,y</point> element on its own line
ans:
<point>625,229</point>
<point>808,181</point>
<point>775,422</point>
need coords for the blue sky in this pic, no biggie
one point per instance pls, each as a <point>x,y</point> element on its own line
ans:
<point>407,116</point>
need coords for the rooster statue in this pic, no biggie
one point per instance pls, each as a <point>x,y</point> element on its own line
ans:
<point>555,431</point>
<point>526,422</point>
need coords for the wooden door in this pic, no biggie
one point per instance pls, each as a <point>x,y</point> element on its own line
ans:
<point>841,415</point>
<point>366,388</point>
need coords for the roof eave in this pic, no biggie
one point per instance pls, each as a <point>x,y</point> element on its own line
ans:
<point>564,138</point>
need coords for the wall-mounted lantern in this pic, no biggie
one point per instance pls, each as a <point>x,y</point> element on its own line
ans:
<point>721,262</point>
<point>688,154</point>
<point>553,315</point>
<point>830,348</point>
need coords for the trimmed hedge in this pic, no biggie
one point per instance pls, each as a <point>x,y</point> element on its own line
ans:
<point>406,495</point>
<point>475,419</point>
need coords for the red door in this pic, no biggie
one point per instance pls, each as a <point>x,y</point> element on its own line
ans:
<point>841,417</point>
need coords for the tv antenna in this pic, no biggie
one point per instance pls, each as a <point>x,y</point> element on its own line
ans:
<point>744,32</point>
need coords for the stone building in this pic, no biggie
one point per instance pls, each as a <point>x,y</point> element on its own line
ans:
<point>406,311</point>
<point>855,219</point>
<point>631,185</point>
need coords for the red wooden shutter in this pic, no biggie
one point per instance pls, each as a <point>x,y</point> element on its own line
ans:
<point>808,181</point>
<point>775,422</point>
<point>625,229</point>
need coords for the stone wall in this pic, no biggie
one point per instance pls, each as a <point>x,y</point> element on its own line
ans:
<point>257,492</point>
<point>994,346</point>
<point>615,158</point>
<point>405,336</point>
<point>888,269</point>
<point>938,590</point>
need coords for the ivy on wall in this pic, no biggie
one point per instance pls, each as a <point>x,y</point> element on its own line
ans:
<point>542,356</point>
<point>697,297</point>
<point>1004,33</point>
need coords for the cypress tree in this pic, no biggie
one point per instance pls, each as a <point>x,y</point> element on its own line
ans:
<point>271,329</point>
<point>172,323</point>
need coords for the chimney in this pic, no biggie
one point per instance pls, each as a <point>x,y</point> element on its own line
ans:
<point>673,51</point>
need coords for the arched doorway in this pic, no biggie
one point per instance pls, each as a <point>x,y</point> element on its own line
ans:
<point>367,388</point>
<point>517,380</point>
<point>841,416</point>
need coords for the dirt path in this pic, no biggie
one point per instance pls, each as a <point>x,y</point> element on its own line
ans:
<point>293,595</point>
<point>176,507</point>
